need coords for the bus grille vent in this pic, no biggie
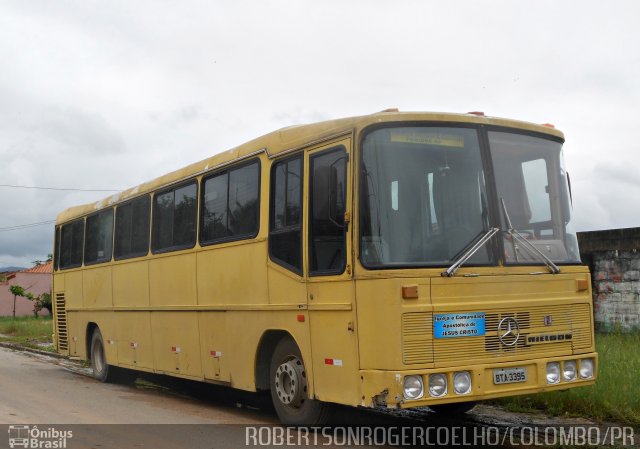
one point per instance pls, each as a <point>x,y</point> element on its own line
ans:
<point>535,320</point>
<point>492,342</point>
<point>61,322</point>
<point>417,346</point>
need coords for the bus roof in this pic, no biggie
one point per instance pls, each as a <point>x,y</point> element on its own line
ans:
<point>294,137</point>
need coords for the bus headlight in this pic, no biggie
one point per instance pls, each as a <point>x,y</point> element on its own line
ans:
<point>553,373</point>
<point>569,371</point>
<point>462,382</point>
<point>586,368</point>
<point>437,385</point>
<point>413,387</point>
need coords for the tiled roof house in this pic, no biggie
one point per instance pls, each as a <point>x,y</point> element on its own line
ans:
<point>36,280</point>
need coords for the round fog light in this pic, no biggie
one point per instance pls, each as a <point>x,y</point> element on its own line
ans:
<point>437,385</point>
<point>462,382</point>
<point>586,368</point>
<point>569,371</point>
<point>553,373</point>
<point>413,387</point>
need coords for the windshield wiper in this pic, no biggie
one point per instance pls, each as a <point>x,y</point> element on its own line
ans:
<point>470,252</point>
<point>515,235</point>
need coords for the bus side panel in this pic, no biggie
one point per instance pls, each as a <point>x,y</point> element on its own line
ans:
<point>131,284</point>
<point>73,289</point>
<point>243,341</point>
<point>172,280</point>
<point>215,337</point>
<point>73,302</point>
<point>285,287</point>
<point>75,339</point>
<point>104,320</point>
<point>96,287</point>
<point>332,322</point>
<point>176,343</point>
<point>235,274</point>
<point>58,282</point>
<point>135,349</point>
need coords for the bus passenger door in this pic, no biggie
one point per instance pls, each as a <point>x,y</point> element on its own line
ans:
<point>330,295</point>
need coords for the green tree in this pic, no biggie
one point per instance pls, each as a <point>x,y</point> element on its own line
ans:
<point>45,300</point>
<point>40,262</point>
<point>40,302</point>
<point>16,291</point>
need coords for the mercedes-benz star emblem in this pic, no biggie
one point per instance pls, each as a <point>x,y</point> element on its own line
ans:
<point>508,331</point>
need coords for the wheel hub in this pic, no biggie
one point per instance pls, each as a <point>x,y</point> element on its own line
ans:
<point>291,382</point>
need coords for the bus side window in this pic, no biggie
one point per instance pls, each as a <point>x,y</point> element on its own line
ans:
<point>71,240</point>
<point>327,251</point>
<point>244,200</point>
<point>214,208</point>
<point>174,218</point>
<point>231,205</point>
<point>56,249</point>
<point>132,228</point>
<point>99,237</point>
<point>285,222</point>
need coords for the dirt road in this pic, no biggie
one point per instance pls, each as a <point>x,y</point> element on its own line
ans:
<point>38,390</point>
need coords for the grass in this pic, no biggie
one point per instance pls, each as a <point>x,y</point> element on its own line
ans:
<point>26,330</point>
<point>615,395</point>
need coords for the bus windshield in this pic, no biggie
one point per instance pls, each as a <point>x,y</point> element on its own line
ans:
<point>424,200</point>
<point>423,196</point>
<point>533,192</point>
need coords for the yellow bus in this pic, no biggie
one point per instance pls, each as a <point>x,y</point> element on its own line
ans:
<point>390,260</point>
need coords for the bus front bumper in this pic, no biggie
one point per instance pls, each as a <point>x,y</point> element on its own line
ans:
<point>485,381</point>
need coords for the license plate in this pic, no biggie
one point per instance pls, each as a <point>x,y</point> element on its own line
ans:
<point>509,375</point>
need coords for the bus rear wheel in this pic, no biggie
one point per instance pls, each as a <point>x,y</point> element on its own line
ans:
<point>289,388</point>
<point>102,371</point>
<point>99,358</point>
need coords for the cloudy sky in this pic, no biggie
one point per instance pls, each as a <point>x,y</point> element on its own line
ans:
<point>108,94</point>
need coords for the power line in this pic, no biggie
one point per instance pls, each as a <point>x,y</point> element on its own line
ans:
<point>26,226</point>
<point>58,188</point>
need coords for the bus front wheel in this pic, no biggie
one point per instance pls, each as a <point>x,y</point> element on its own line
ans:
<point>289,388</point>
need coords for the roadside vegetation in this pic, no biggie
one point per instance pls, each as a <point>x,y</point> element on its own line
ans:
<point>614,397</point>
<point>27,331</point>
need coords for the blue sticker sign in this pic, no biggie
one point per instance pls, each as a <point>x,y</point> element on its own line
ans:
<point>454,325</point>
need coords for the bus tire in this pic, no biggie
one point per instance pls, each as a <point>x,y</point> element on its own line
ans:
<point>288,385</point>
<point>99,358</point>
<point>457,408</point>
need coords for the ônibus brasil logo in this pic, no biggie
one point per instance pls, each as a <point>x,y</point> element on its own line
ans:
<point>32,437</point>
